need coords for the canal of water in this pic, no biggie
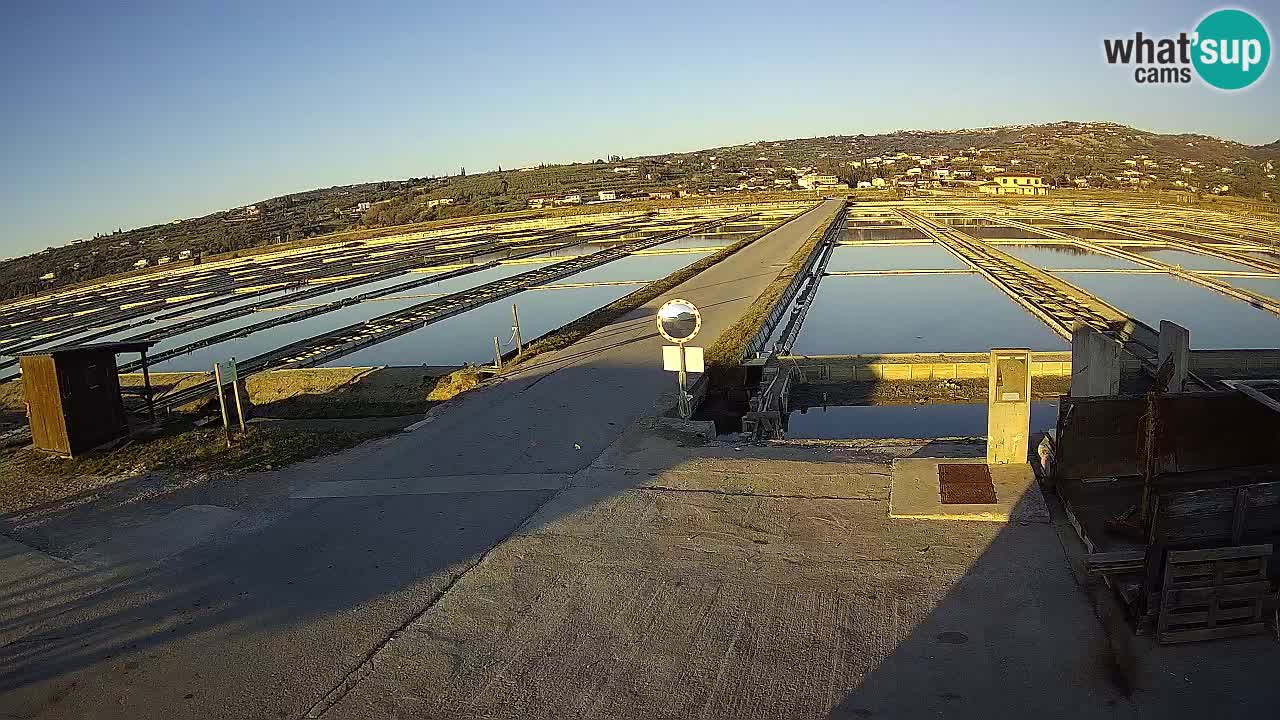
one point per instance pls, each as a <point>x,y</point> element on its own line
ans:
<point>917,313</point>
<point>1216,321</point>
<point>904,421</point>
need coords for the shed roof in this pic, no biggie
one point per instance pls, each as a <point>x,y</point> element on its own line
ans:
<point>115,347</point>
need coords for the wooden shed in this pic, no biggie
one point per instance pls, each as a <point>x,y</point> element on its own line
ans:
<point>74,400</point>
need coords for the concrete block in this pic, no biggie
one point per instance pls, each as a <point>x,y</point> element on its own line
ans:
<point>1175,342</point>
<point>1095,363</point>
<point>913,493</point>
<point>703,430</point>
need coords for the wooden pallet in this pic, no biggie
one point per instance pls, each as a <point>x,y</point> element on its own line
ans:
<point>1214,593</point>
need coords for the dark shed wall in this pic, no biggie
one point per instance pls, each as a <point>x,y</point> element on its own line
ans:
<point>91,399</point>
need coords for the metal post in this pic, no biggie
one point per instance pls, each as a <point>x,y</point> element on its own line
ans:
<point>222,402</point>
<point>235,388</point>
<point>497,353</point>
<point>515,330</point>
<point>683,403</point>
<point>146,388</point>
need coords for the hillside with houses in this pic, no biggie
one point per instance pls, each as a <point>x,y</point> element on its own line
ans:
<point>1061,156</point>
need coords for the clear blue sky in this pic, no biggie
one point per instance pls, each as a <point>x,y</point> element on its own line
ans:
<point>132,115</point>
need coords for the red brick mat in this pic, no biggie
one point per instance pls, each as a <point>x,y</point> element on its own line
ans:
<point>965,484</point>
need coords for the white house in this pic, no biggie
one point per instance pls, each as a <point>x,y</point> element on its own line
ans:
<point>607,195</point>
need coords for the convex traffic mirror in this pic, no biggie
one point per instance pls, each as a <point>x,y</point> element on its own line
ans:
<point>679,321</point>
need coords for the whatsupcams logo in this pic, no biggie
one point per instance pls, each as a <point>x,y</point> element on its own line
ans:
<point>1229,50</point>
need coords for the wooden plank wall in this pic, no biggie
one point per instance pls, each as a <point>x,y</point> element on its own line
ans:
<point>1098,437</point>
<point>44,404</point>
<point>1208,431</point>
<point>1219,516</point>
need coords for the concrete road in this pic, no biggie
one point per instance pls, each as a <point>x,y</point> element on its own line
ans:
<point>276,616</point>
<point>722,582</point>
<point>558,414</point>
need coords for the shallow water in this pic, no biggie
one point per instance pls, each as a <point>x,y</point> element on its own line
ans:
<point>905,421</point>
<point>268,339</point>
<point>917,313</point>
<point>893,257</point>
<point>469,337</point>
<point>1189,260</point>
<point>1216,321</point>
<point>1057,257</point>
<point>1270,287</point>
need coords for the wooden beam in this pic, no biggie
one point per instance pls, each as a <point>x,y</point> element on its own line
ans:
<point>1253,393</point>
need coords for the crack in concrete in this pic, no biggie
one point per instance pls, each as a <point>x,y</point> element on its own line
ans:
<point>366,666</point>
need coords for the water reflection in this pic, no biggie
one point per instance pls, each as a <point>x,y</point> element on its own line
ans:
<point>1189,260</point>
<point>917,313</point>
<point>1216,321</point>
<point>893,257</point>
<point>1054,257</point>
<point>1267,287</point>
<point>905,421</point>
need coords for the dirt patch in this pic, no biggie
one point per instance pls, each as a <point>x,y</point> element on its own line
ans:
<point>345,392</point>
<point>454,384</point>
<point>12,400</point>
<point>180,454</point>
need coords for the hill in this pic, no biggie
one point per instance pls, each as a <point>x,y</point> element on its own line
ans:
<point>1101,155</point>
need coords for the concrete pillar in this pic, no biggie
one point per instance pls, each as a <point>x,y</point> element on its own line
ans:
<point>1008,406</point>
<point>1095,363</point>
<point>1175,342</point>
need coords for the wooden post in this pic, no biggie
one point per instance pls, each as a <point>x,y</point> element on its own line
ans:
<point>235,389</point>
<point>1150,463</point>
<point>146,388</point>
<point>222,402</point>
<point>515,330</point>
<point>683,403</point>
<point>497,353</point>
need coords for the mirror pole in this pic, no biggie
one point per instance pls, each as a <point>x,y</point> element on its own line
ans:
<point>683,403</point>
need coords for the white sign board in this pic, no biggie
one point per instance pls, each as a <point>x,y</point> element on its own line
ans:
<point>693,361</point>
<point>226,372</point>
